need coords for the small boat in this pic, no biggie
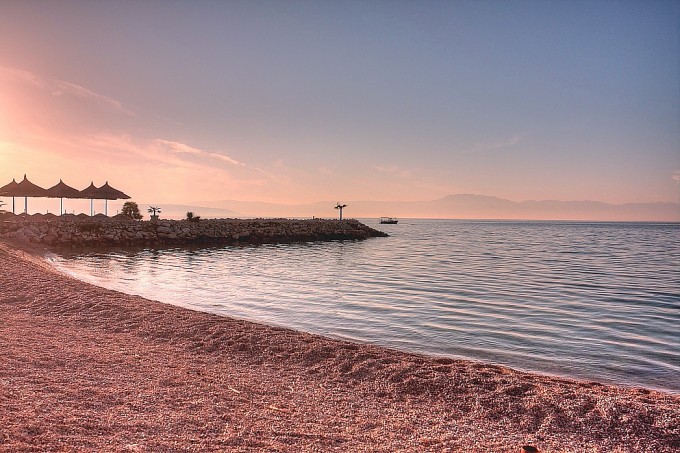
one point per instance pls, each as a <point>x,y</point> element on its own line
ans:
<point>389,220</point>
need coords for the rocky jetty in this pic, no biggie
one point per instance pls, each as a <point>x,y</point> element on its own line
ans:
<point>101,230</point>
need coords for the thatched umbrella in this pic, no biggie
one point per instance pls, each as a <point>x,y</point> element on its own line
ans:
<point>9,190</point>
<point>109,193</point>
<point>27,189</point>
<point>92,193</point>
<point>62,191</point>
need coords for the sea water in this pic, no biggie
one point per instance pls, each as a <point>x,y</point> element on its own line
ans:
<point>596,301</point>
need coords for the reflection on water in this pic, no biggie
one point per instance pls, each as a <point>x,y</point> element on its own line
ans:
<point>590,300</point>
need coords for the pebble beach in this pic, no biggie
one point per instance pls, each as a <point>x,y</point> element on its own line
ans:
<point>84,368</point>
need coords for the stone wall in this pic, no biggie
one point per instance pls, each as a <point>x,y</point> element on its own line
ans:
<point>98,231</point>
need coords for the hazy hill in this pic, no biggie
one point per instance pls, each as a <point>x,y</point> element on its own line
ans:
<point>463,206</point>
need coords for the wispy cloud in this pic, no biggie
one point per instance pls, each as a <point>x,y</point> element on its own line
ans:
<point>393,170</point>
<point>496,144</point>
<point>280,164</point>
<point>183,149</point>
<point>89,95</point>
<point>159,152</point>
<point>167,158</point>
<point>325,170</point>
<point>22,76</point>
<point>61,88</point>
<point>676,176</point>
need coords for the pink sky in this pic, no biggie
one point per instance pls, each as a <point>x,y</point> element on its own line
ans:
<point>187,104</point>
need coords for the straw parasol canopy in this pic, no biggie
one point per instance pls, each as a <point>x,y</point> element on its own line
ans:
<point>9,190</point>
<point>27,189</point>
<point>109,193</point>
<point>61,191</point>
<point>105,192</point>
<point>92,193</point>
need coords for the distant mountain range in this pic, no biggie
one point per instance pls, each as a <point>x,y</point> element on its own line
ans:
<point>463,206</point>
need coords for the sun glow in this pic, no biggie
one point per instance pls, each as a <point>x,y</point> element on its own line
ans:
<point>225,117</point>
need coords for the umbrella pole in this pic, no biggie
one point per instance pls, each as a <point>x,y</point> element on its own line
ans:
<point>13,211</point>
<point>106,207</point>
<point>25,205</point>
<point>61,206</point>
<point>91,207</point>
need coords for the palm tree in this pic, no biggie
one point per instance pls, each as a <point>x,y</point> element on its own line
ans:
<point>340,206</point>
<point>153,210</point>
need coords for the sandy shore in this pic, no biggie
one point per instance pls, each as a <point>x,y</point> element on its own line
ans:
<point>84,368</point>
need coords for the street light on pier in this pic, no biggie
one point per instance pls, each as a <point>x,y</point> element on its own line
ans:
<point>340,206</point>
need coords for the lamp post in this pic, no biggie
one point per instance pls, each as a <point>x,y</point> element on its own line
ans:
<point>339,207</point>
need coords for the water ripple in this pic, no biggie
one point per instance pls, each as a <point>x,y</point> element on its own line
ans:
<point>588,300</point>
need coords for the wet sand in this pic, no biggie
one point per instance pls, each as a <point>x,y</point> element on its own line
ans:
<point>83,368</point>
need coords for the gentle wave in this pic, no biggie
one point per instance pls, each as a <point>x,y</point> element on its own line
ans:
<point>587,300</point>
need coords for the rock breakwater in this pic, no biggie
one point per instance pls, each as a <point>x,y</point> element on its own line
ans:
<point>107,231</point>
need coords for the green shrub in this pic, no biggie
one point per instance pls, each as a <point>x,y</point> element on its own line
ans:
<point>131,209</point>
<point>191,217</point>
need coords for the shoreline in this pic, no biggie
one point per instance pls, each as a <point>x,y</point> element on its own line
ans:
<point>47,252</point>
<point>84,367</point>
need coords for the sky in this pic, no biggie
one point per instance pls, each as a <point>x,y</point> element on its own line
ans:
<point>303,101</point>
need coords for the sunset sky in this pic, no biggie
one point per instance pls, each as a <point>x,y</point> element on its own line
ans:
<point>303,101</point>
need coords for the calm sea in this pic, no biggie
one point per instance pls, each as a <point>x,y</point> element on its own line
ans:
<point>587,300</point>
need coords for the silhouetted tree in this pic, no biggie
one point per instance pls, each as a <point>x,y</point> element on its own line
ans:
<point>193,218</point>
<point>131,209</point>
<point>153,210</point>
